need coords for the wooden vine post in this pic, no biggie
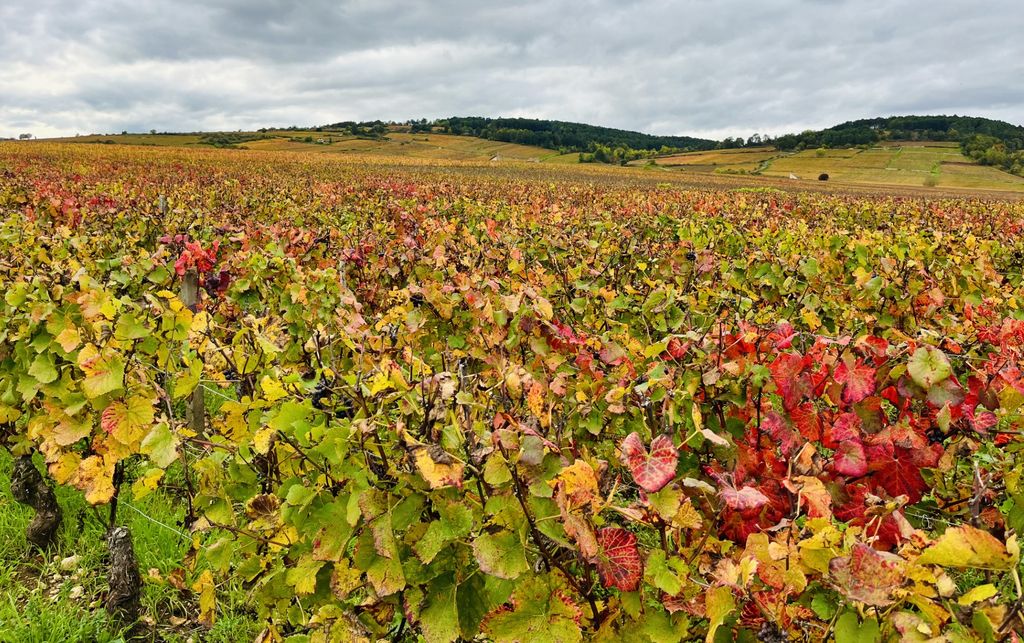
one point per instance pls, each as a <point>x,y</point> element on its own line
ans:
<point>195,414</point>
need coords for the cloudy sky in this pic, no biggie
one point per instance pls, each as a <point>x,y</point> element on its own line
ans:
<point>705,67</point>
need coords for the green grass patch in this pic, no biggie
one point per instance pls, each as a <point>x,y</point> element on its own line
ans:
<point>59,596</point>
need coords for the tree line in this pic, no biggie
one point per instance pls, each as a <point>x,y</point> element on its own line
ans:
<point>564,136</point>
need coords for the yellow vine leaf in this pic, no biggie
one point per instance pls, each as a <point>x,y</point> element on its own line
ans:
<point>543,306</point>
<point>204,586</point>
<point>967,546</point>
<point>273,390</point>
<point>104,372</point>
<point>69,339</point>
<point>65,467</point>
<point>978,594</point>
<point>578,484</point>
<point>438,467</point>
<point>147,483</point>
<point>95,477</point>
<point>128,421</point>
<point>261,441</point>
<point>719,604</point>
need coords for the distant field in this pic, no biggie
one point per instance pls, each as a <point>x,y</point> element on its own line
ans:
<point>742,159</point>
<point>162,140</point>
<point>425,146</point>
<point>893,164</point>
<point>718,157</point>
<point>926,165</point>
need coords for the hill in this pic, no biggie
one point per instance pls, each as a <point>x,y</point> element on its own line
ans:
<point>988,141</point>
<point>888,163</point>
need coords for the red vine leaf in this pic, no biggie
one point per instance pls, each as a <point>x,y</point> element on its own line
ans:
<point>651,470</point>
<point>896,457</point>
<point>982,422</point>
<point>743,499</point>
<point>619,560</point>
<point>858,381</point>
<point>850,459</point>
<point>846,428</point>
<point>776,427</point>
<point>867,575</point>
<point>806,419</point>
<point>792,384</point>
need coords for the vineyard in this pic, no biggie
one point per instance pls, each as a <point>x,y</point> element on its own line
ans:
<point>409,400</point>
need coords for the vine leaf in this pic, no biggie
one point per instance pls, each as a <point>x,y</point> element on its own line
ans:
<point>858,381</point>
<point>456,521</point>
<point>788,374</point>
<point>500,554</point>
<point>103,373</point>
<point>849,629</point>
<point>160,445</point>
<point>814,496</point>
<point>302,577</point>
<point>127,421</point>
<point>95,476</point>
<point>651,470</point>
<point>743,499</point>
<point>438,467</point>
<point>967,546</point>
<point>845,437</point>
<point>440,615</point>
<point>849,459</point>
<point>718,604</point>
<point>868,575</point>
<point>541,612</point>
<point>619,560</point>
<point>43,368</point>
<point>576,487</point>
<point>207,590</point>
<point>928,367</point>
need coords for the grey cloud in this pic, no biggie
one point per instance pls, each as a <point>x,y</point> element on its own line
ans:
<point>706,67</point>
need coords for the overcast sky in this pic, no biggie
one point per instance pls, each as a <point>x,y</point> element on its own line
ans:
<point>703,67</point>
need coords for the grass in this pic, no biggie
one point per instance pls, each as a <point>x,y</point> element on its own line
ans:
<point>43,599</point>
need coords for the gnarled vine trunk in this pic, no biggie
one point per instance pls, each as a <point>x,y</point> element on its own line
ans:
<point>125,582</point>
<point>29,488</point>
